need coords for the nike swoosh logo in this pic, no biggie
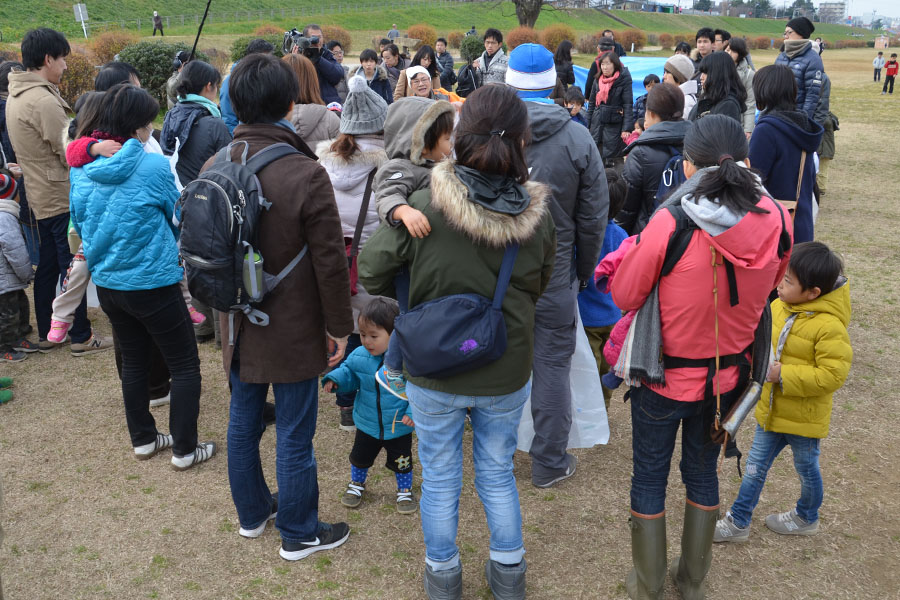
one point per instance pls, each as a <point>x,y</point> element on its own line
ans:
<point>315,543</point>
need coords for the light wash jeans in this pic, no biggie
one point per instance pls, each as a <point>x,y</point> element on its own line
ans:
<point>440,420</point>
<point>766,446</point>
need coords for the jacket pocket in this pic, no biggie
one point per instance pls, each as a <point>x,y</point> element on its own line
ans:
<point>611,114</point>
<point>57,173</point>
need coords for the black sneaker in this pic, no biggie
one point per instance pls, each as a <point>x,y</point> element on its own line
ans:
<point>347,423</point>
<point>552,479</point>
<point>329,536</point>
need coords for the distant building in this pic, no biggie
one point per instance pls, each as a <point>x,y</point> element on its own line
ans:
<point>832,12</point>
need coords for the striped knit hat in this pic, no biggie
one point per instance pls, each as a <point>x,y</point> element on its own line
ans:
<point>8,187</point>
<point>531,71</point>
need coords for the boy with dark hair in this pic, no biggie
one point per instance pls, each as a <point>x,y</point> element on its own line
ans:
<point>878,64</point>
<point>640,103</point>
<point>445,64</point>
<point>720,43</point>
<point>704,47</point>
<point>812,356</point>
<point>314,299</point>
<point>382,421</point>
<point>37,122</point>
<point>574,103</point>
<point>890,74</point>
<point>492,64</point>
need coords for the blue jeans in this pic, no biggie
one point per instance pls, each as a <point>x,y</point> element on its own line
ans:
<point>32,242</point>
<point>296,406</point>
<point>440,419</point>
<point>766,446</point>
<point>393,358</point>
<point>655,420</point>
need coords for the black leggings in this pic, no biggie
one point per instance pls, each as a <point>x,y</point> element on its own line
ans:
<point>158,315</point>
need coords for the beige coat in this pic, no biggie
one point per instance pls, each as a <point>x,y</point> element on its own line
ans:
<point>403,89</point>
<point>314,123</point>
<point>37,123</point>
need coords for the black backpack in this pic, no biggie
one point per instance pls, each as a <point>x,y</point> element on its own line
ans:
<point>468,81</point>
<point>220,212</point>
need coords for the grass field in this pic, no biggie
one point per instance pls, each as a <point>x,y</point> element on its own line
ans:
<point>229,17</point>
<point>84,520</point>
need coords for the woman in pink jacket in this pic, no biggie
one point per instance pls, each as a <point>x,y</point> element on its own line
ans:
<point>705,310</point>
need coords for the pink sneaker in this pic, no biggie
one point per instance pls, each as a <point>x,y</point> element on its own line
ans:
<point>197,317</point>
<point>58,331</point>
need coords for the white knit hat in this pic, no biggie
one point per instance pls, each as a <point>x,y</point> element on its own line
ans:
<point>364,110</point>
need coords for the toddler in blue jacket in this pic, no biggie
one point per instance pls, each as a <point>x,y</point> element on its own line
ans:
<point>382,419</point>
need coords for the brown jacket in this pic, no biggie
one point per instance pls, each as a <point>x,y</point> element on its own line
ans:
<point>403,88</point>
<point>37,123</point>
<point>315,296</point>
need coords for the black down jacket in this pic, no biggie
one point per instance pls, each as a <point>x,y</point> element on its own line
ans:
<point>647,158</point>
<point>607,121</point>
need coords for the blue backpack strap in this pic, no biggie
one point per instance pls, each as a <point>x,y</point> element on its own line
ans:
<point>506,267</point>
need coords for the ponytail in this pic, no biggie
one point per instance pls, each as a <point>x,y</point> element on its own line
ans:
<point>345,146</point>
<point>717,140</point>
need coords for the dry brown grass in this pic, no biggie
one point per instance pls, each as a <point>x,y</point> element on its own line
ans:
<point>85,520</point>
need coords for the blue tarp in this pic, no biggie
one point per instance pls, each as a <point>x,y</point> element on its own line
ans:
<point>639,67</point>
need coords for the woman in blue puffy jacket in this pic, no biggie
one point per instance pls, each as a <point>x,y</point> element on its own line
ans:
<point>122,207</point>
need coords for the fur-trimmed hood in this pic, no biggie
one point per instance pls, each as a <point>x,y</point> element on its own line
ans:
<point>451,197</point>
<point>380,73</point>
<point>346,174</point>
<point>408,119</point>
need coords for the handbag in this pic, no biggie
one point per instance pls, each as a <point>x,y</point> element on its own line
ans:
<point>791,205</point>
<point>353,246</point>
<point>457,333</point>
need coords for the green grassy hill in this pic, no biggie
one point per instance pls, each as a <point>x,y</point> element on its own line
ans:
<point>230,17</point>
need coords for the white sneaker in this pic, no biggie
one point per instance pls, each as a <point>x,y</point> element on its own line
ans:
<point>790,523</point>
<point>150,450</point>
<point>160,401</point>
<point>728,531</point>
<point>258,531</point>
<point>204,452</point>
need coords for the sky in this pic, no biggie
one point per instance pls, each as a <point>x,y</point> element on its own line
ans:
<point>888,8</point>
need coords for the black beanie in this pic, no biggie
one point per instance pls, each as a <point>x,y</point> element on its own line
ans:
<point>802,25</point>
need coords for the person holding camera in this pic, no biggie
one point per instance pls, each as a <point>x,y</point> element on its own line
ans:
<point>330,72</point>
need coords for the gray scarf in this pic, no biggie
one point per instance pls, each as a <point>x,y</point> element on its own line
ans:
<point>794,48</point>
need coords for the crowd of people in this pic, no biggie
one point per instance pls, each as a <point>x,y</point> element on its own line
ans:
<point>425,255</point>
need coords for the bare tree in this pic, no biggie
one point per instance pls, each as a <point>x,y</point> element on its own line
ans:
<point>528,11</point>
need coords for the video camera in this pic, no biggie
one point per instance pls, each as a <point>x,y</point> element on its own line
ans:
<point>306,45</point>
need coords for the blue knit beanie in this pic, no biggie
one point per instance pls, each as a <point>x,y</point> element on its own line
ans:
<point>531,71</point>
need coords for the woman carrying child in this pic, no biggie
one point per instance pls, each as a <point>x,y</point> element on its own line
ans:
<point>709,307</point>
<point>476,208</point>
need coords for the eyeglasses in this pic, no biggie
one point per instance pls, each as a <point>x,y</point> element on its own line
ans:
<point>788,32</point>
<point>337,52</point>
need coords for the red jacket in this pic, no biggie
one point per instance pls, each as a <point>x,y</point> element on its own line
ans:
<point>686,294</point>
<point>892,68</point>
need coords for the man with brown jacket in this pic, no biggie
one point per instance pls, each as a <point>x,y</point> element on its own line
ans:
<point>37,123</point>
<point>309,313</point>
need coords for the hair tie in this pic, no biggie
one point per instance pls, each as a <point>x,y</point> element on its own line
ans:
<point>499,132</point>
<point>725,157</point>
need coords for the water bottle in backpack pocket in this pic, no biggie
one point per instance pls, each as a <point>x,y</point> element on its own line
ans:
<point>220,213</point>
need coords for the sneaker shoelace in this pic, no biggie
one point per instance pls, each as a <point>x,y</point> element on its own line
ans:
<point>404,496</point>
<point>356,489</point>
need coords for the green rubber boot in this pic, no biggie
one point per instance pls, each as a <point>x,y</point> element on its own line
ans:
<point>5,382</point>
<point>647,579</point>
<point>689,570</point>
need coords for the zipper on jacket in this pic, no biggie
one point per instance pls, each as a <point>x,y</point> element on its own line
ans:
<point>378,406</point>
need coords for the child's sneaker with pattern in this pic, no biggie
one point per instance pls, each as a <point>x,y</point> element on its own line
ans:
<point>353,496</point>
<point>728,531</point>
<point>12,356</point>
<point>790,523</point>
<point>406,504</point>
<point>197,317</point>
<point>58,331</point>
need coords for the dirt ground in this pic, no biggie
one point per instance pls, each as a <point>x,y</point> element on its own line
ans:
<point>84,519</point>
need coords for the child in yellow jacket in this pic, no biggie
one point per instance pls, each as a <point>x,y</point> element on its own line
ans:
<point>812,358</point>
